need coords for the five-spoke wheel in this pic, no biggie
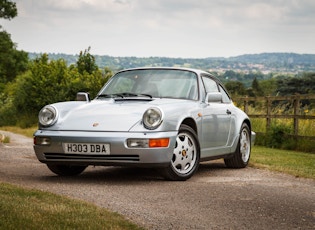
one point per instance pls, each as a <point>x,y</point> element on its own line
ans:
<point>186,156</point>
<point>241,156</point>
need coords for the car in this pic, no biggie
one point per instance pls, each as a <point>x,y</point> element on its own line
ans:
<point>157,117</point>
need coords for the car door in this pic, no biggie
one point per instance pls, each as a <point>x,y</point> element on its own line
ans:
<point>216,122</point>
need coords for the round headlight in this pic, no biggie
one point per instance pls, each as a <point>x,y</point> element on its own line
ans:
<point>48,115</point>
<point>152,118</point>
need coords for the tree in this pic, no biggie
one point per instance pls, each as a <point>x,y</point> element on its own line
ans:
<point>12,61</point>
<point>297,85</point>
<point>46,81</point>
<point>235,88</point>
<point>256,88</point>
<point>268,86</point>
<point>86,62</point>
<point>8,9</point>
<point>231,75</point>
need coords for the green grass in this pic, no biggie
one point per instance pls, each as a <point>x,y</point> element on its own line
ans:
<point>295,163</point>
<point>32,209</point>
<point>4,139</point>
<point>306,127</point>
<point>28,132</point>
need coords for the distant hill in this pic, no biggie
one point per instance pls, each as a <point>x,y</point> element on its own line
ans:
<point>264,62</point>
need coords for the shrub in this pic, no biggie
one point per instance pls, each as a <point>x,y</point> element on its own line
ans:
<point>46,82</point>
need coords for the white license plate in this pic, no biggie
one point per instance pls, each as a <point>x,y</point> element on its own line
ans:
<point>82,148</point>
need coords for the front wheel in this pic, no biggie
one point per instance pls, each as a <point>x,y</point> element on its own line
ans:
<point>241,156</point>
<point>186,155</point>
<point>66,170</point>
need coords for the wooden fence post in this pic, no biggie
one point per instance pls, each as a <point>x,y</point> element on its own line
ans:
<point>246,104</point>
<point>296,113</point>
<point>268,119</point>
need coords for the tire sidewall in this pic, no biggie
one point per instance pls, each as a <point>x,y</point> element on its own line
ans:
<point>244,126</point>
<point>171,170</point>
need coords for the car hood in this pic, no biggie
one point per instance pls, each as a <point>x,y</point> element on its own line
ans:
<point>107,115</point>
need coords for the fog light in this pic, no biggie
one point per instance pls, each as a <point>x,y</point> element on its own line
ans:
<point>138,143</point>
<point>41,141</point>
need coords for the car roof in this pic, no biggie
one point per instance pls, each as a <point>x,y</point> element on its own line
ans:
<point>198,71</point>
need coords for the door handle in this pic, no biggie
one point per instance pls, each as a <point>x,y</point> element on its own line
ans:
<point>228,112</point>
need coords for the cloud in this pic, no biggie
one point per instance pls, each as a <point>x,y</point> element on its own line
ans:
<point>165,27</point>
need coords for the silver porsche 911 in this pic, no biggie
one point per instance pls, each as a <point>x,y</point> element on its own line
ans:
<point>170,118</point>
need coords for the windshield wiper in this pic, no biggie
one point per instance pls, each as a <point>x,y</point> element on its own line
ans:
<point>145,94</point>
<point>136,95</point>
<point>123,95</point>
<point>110,95</point>
<point>127,94</point>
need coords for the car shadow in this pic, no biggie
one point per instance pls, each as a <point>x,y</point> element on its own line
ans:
<point>119,175</point>
<point>113,175</point>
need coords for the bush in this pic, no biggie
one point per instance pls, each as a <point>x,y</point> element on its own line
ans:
<point>46,82</point>
<point>7,110</point>
<point>276,135</point>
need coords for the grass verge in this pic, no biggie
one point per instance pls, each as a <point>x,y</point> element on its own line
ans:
<point>32,209</point>
<point>296,163</point>
<point>4,139</point>
<point>28,132</point>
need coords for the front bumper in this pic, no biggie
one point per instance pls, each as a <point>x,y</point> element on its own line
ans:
<point>253,138</point>
<point>120,153</point>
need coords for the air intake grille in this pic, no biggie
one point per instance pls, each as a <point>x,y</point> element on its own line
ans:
<point>57,156</point>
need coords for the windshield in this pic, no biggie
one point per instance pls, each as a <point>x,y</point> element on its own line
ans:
<point>161,83</point>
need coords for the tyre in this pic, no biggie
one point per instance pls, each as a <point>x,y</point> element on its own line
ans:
<point>241,156</point>
<point>186,155</point>
<point>66,170</point>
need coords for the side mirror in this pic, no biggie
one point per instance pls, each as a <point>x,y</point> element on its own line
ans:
<point>82,96</point>
<point>215,97</point>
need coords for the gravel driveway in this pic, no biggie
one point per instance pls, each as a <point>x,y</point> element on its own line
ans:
<point>214,198</point>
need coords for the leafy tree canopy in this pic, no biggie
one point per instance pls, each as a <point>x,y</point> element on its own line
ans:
<point>256,88</point>
<point>86,62</point>
<point>46,81</point>
<point>8,9</point>
<point>12,61</point>
<point>235,88</point>
<point>297,85</point>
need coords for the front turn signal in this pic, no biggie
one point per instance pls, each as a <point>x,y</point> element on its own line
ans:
<point>159,143</point>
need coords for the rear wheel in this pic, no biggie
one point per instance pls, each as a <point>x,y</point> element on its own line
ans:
<point>241,156</point>
<point>66,170</point>
<point>186,156</point>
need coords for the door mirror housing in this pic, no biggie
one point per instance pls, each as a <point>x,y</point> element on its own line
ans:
<point>214,97</point>
<point>83,96</point>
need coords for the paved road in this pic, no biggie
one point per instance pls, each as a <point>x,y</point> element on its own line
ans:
<point>214,198</point>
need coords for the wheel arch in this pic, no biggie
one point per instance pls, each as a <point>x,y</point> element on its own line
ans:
<point>191,123</point>
<point>247,121</point>
<point>239,126</point>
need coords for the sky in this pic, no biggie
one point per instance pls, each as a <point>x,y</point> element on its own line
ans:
<point>164,28</point>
